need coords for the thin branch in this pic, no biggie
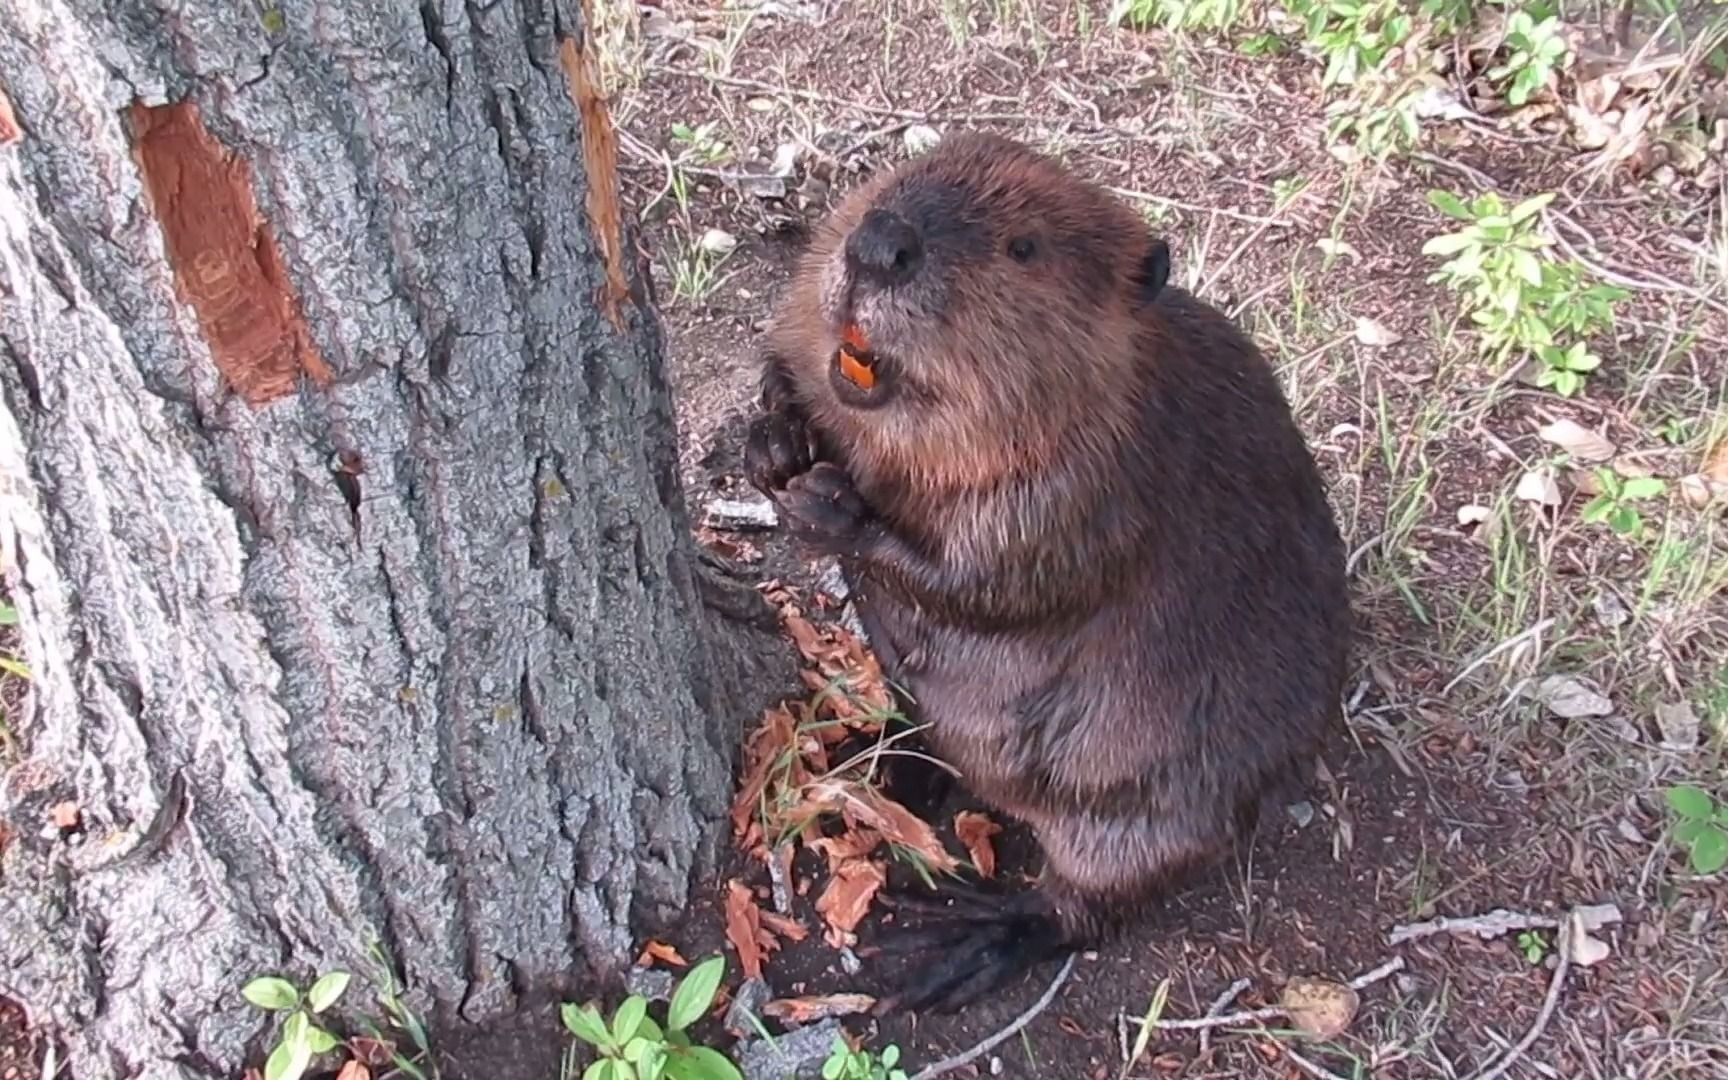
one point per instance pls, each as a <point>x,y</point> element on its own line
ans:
<point>949,1064</point>
<point>1230,994</point>
<point>1499,922</point>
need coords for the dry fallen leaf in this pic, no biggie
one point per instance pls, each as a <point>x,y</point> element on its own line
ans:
<point>1584,949</point>
<point>1473,514</point>
<point>1538,486</point>
<point>974,830</point>
<point>808,1010</point>
<point>353,1070</point>
<point>659,950</point>
<point>1320,1008</point>
<point>1375,334</point>
<point>847,899</point>
<point>1577,440</point>
<point>1678,724</point>
<point>1570,697</point>
<point>744,926</point>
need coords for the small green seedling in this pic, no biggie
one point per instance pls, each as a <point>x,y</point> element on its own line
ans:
<point>300,1039</point>
<point>1701,827</point>
<point>1537,50</point>
<point>1613,504</point>
<point>845,1063</point>
<point>634,1047</point>
<point>1530,943</point>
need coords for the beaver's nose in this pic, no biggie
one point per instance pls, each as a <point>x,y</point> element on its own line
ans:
<point>884,249</point>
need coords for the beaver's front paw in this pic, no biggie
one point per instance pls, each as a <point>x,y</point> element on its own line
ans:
<point>823,509</point>
<point>777,449</point>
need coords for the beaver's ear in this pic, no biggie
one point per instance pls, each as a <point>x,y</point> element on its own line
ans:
<point>1153,272</point>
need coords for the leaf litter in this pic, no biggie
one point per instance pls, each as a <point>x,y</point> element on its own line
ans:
<point>805,783</point>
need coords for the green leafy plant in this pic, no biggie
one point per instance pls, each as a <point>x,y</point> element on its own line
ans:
<point>1530,943</point>
<point>1522,302</point>
<point>1612,505</point>
<point>1353,37</point>
<point>845,1063</point>
<point>1701,827</point>
<point>1178,14</point>
<point>635,1047</point>
<point>1536,51</point>
<point>301,1039</point>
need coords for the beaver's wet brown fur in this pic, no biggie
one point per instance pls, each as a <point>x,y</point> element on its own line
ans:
<point>1080,523</point>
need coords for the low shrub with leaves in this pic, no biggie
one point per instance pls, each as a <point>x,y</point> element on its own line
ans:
<point>1178,14</point>
<point>301,1038</point>
<point>1524,304</point>
<point>635,1047</point>
<point>1700,827</point>
<point>845,1063</point>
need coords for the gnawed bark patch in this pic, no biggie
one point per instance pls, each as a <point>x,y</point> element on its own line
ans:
<point>224,254</point>
<point>600,161</point>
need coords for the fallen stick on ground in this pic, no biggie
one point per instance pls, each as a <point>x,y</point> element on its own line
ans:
<point>1499,922</point>
<point>949,1064</point>
<point>1270,1012</point>
<point>1218,1005</point>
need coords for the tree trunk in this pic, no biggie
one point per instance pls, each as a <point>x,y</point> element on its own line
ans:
<point>340,506</point>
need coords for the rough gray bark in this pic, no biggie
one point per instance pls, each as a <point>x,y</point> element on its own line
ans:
<point>413,653</point>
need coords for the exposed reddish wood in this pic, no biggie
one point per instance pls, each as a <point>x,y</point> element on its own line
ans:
<point>10,132</point>
<point>600,160</point>
<point>224,254</point>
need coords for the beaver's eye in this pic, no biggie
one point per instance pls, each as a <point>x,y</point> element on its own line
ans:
<point>1021,248</point>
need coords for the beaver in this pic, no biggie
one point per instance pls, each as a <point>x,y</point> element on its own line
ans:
<point>1080,524</point>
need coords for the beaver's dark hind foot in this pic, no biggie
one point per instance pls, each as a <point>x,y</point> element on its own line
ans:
<point>983,939</point>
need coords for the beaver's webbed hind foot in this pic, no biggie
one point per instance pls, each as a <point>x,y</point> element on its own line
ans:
<point>982,939</point>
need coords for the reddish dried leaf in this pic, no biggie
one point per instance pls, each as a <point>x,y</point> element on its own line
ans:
<point>10,132</point>
<point>784,925</point>
<point>64,814</point>
<point>659,950</point>
<point>353,1070</point>
<point>743,924</point>
<point>808,1010</point>
<point>865,806</point>
<point>845,848</point>
<point>974,830</point>
<point>847,899</point>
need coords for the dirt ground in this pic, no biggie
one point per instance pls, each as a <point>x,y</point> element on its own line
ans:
<point>1454,793</point>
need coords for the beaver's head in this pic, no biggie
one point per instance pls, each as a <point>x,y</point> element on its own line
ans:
<point>974,293</point>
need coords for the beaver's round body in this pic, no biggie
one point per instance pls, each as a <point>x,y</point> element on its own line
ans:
<point>1080,523</point>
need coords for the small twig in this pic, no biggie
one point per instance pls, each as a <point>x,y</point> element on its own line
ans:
<point>1230,994</point>
<point>1195,208</point>
<point>1563,964</point>
<point>1309,1067</point>
<point>1390,967</point>
<point>1500,922</point>
<point>1512,642</point>
<point>949,1064</point>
